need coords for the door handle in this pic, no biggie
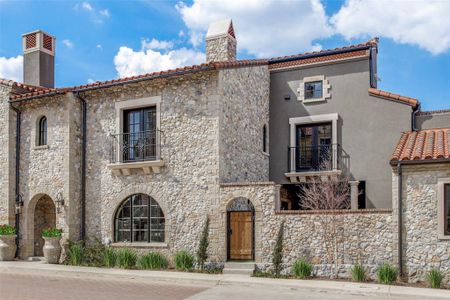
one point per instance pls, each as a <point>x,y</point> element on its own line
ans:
<point>230,231</point>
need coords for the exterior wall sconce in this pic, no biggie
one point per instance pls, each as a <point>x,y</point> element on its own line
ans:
<point>19,204</point>
<point>59,203</point>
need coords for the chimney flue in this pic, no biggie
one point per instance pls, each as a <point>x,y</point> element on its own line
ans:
<point>221,41</point>
<point>39,59</point>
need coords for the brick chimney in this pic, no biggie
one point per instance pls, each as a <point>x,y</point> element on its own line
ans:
<point>39,59</point>
<point>221,41</point>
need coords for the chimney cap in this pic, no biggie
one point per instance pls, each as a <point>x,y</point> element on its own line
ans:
<point>38,31</point>
<point>38,40</point>
<point>221,28</point>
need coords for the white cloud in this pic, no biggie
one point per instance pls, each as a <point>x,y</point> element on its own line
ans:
<point>263,28</point>
<point>156,44</point>
<point>104,12</point>
<point>90,80</point>
<point>98,46</point>
<point>67,43</point>
<point>130,63</point>
<point>11,68</point>
<point>426,24</point>
<point>86,6</point>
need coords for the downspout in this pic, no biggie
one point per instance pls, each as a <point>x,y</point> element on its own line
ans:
<point>18,200</point>
<point>400,218</point>
<point>83,165</point>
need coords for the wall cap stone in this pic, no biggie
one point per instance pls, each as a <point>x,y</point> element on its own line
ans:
<point>336,211</point>
<point>250,183</point>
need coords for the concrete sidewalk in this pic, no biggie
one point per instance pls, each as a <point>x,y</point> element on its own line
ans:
<point>211,280</point>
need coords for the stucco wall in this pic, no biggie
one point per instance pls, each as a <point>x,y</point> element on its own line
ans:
<point>422,248</point>
<point>244,109</point>
<point>368,127</point>
<point>429,120</point>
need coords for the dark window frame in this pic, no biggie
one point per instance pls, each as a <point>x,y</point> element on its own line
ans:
<point>310,94</point>
<point>152,206</point>
<point>42,131</point>
<point>265,138</point>
<point>446,209</point>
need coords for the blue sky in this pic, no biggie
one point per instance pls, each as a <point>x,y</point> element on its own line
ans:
<point>101,40</point>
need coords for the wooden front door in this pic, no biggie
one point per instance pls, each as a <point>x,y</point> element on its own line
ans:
<point>240,235</point>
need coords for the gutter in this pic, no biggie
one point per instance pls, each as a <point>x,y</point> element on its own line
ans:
<point>83,165</point>
<point>18,198</point>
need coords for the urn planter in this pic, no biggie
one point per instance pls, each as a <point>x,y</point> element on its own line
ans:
<point>7,247</point>
<point>52,249</point>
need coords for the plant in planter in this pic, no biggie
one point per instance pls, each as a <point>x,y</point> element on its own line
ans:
<point>52,246</point>
<point>7,242</point>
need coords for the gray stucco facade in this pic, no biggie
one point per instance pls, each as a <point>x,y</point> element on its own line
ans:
<point>362,127</point>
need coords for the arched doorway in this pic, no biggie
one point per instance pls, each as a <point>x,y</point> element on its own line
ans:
<point>44,217</point>
<point>240,230</point>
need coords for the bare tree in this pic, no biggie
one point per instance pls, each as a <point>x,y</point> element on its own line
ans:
<point>328,194</point>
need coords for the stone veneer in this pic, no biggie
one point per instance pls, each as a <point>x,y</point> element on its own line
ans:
<point>422,247</point>
<point>367,237</point>
<point>221,48</point>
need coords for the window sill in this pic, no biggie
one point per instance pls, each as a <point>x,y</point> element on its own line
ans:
<point>147,166</point>
<point>265,153</point>
<point>139,245</point>
<point>41,147</point>
<point>443,237</point>
<point>314,100</point>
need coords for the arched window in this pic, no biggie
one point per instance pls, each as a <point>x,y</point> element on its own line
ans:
<point>42,131</point>
<point>264,139</point>
<point>139,219</point>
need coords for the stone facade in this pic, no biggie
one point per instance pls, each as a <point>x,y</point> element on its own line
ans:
<point>221,48</point>
<point>303,234</point>
<point>423,248</point>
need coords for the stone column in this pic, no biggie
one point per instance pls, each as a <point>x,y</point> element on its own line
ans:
<point>354,194</point>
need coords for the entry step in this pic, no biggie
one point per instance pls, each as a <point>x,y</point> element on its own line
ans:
<point>239,268</point>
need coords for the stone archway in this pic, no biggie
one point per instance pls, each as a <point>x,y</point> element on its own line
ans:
<point>44,217</point>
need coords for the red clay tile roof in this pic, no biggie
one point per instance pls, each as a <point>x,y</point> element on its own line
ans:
<point>394,97</point>
<point>423,145</point>
<point>433,112</point>
<point>161,74</point>
<point>21,87</point>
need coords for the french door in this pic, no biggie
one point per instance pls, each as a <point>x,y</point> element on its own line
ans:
<point>313,149</point>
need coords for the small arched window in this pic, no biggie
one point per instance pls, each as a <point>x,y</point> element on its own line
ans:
<point>139,219</point>
<point>264,139</point>
<point>42,131</point>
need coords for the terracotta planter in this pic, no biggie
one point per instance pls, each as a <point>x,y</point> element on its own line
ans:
<point>52,249</point>
<point>7,247</point>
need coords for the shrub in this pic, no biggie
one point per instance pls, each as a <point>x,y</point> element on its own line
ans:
<point>202,253</point>
<point>358,273</point>
<point>153,260</point>
<point>52,233</point>
<point>302,269</point>
<point>434,278</point>
<point>109,257</point>
<point>75,254</point>
<point>7,230</point>
<point>126,258</point>
<point>387,274</point>
<point>184,261</point>
<point>93,254</point>
<point>278,252</point>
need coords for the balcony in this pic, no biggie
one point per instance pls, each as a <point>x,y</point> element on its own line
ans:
<point>313,160</point>
<point>137,150</point>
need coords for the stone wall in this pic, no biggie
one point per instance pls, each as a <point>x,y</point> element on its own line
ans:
<point>51,169</point>
<point>367,236</point>
<point>220,49</point>
<point>422,247</point>
<point>7,157</point>
<point>244,109</point>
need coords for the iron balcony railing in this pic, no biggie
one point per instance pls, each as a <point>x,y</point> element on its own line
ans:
<point>136,146</point>
<point>314,158</point>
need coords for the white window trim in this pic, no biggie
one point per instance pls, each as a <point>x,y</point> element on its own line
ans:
<point>325,89</point>
<point>441,207</point>
<point>293,122</point>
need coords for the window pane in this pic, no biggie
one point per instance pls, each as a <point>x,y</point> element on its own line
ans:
<point>157,236</point>
<point>139,235</point>
<point>313,90</point>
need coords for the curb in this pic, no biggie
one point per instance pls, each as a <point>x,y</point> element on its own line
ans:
<point>222,279</point>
